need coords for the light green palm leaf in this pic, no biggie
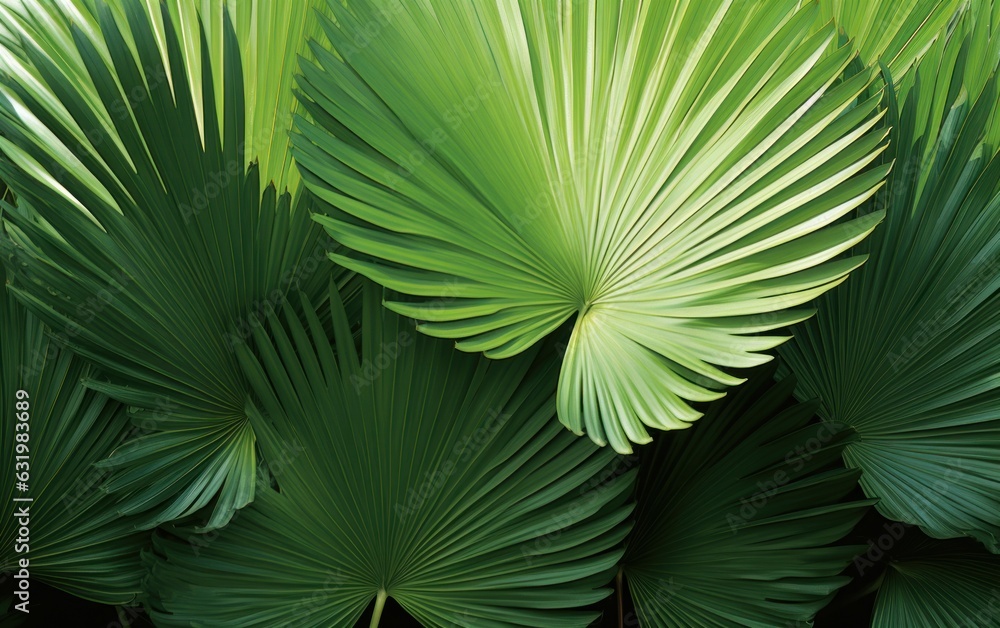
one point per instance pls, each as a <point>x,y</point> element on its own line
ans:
<point>893,32</point>
<point>664,172</point>
<point>272,35</point>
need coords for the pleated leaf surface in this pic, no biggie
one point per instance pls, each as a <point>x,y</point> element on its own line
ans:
<point>664,173</point>
<point>76,540</point>
<point>906,352</point>
<point>411,471</point>
<point>738,520</point>
<point>154,253</point>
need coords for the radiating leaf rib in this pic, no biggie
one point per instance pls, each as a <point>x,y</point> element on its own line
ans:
<point>578,159</point>
<point>435,477</point>
<point>271,35</point>
<point>896,33</point>
<point>940,584</point>
<point>76,541</point>
<point>168,263</point>
<point>737,520</point>
<point>904,351</point>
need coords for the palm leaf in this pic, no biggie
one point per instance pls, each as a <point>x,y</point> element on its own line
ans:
<point>444,485</point>
<point>968,52</point>
<point>905,353</point>
<point>735,520</point>
<point>77,541</point>
<point>156,255</point>
<point>896,33</point>
<point>980,25</point>
<point>272,35</point>
<point>940,584</point>
<point>663,172</point>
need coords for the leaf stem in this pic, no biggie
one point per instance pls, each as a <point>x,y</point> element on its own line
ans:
<point>379,604</point>
<point>861,594</point>
<point>621,610</point>
<point>123,617</point>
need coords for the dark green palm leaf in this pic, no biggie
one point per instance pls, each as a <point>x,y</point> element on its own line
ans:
<point>940,584</point>
<point>735,519</point>
<point>157,251</point>
<point>411,471</point>
<point>77,541</point>
<point>662,171</point>
<point>905,352</point>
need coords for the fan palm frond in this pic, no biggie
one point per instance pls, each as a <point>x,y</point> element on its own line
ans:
<point>980,25</point>
<point>904,352</point>
<point>272,35</point>
<point>155,252</point>
<point>893,32</point>
<point>737,520</point>
<point>664,172</point>
<point>940,584</point>
<point>53,432</point>
<point>412,471</point>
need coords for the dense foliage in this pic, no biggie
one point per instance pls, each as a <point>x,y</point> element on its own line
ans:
<point>502,313</point>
